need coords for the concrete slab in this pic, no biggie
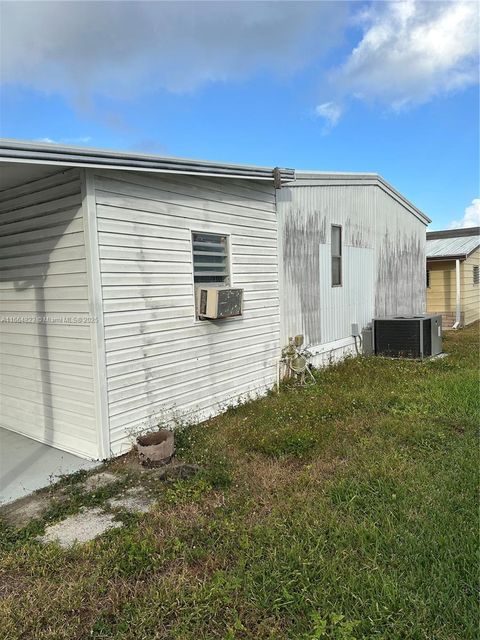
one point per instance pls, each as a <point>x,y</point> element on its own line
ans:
<point>82,527</point>
<point>135,499</point>
<point>27,465</point>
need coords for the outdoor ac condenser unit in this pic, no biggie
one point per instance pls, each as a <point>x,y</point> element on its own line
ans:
<point>408,336</point>
<point>220,302</point>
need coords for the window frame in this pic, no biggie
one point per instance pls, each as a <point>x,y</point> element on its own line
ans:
<point>228,278</point>
<point>197,286</point>
<point>335,256</point>
<point>476,274</point>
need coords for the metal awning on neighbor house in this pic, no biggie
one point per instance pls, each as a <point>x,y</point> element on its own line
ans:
<point>452,244</point>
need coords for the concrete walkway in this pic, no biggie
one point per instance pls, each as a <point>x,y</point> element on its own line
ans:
<point>27,465</point>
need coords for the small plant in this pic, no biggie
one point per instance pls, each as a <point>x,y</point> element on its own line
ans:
<point>187,491</point>
<point>134,554</point>
<point>334,627</point>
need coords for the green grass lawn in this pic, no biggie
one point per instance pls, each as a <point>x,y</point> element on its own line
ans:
<point>344,510</point>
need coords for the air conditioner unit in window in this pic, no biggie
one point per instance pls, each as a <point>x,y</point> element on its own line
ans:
<point>408,336</point>
<point>220,302</point>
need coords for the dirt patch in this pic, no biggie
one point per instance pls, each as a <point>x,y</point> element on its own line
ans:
<point>177,471</point>
<point>269,475</point>
<point>12,584</point>
<point>129,463</point>
<point>135,500</point>
<point>99,481</point>
<point>19,513</point>
<point>82,527</point>
<point>322,469</point>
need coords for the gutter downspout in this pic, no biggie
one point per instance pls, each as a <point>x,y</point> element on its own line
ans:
<point>457,295</point>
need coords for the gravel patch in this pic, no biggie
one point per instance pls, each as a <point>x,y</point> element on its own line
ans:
<point>82,527</point>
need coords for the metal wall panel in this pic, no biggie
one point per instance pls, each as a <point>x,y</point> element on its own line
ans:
<point>383,259</point>
<point>400,259</point>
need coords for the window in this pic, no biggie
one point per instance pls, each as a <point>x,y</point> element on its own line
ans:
<point>428,278</point>
<point>336,248</point>
<point>210,259</point>
<point>476,274</point>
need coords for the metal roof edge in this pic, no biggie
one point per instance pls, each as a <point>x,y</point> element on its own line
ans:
<point>53,154</point>
<point>409,205</point>
<point>312,178</point>
<point>453,233</point>
<point>448,256</point>
<point>474,249</point>
<point>334,175</point>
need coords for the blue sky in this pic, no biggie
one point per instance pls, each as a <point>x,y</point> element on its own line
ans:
<point>384,87</point>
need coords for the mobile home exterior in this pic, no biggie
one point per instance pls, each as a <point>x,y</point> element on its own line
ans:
<point>101,254</point>
<point>375,270</point>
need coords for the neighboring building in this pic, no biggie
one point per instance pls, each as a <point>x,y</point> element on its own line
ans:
<point>453,265</point>
<point>100,255</point>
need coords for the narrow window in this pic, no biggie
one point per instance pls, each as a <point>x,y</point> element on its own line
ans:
<point>336,248</point>
<point>210,259</point>
<point>428,278</point>
<point>476,274</point>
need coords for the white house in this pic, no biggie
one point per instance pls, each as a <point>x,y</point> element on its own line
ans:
<point>100,257</point>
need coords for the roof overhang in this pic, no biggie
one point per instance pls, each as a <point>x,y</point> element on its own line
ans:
<point>323,178</point>
<point>63,156</point>
<point>453,233</point>
<point>458,256</point>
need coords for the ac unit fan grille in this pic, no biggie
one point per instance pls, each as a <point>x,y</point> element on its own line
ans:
<point>397,338</point>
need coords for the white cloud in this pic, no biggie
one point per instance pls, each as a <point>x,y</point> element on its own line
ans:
<point>80,140</point>
<point>407,53</point>
<point>330,112</point>
<point>121,49</point>
<point>410,52</point>
<point>471,216</point>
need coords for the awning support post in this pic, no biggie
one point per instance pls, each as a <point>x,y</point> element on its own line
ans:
<point>457,294</point>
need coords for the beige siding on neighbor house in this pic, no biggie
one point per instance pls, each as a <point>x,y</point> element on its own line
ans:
<point>441,295</point>
<point>46,371</point>
<point>471,291</point>
<point>160,360</point>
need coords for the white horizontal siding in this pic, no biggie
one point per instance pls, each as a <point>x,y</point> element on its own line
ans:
<point>160,360</point>
<point>46,374</point>
<point>194,392</point>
